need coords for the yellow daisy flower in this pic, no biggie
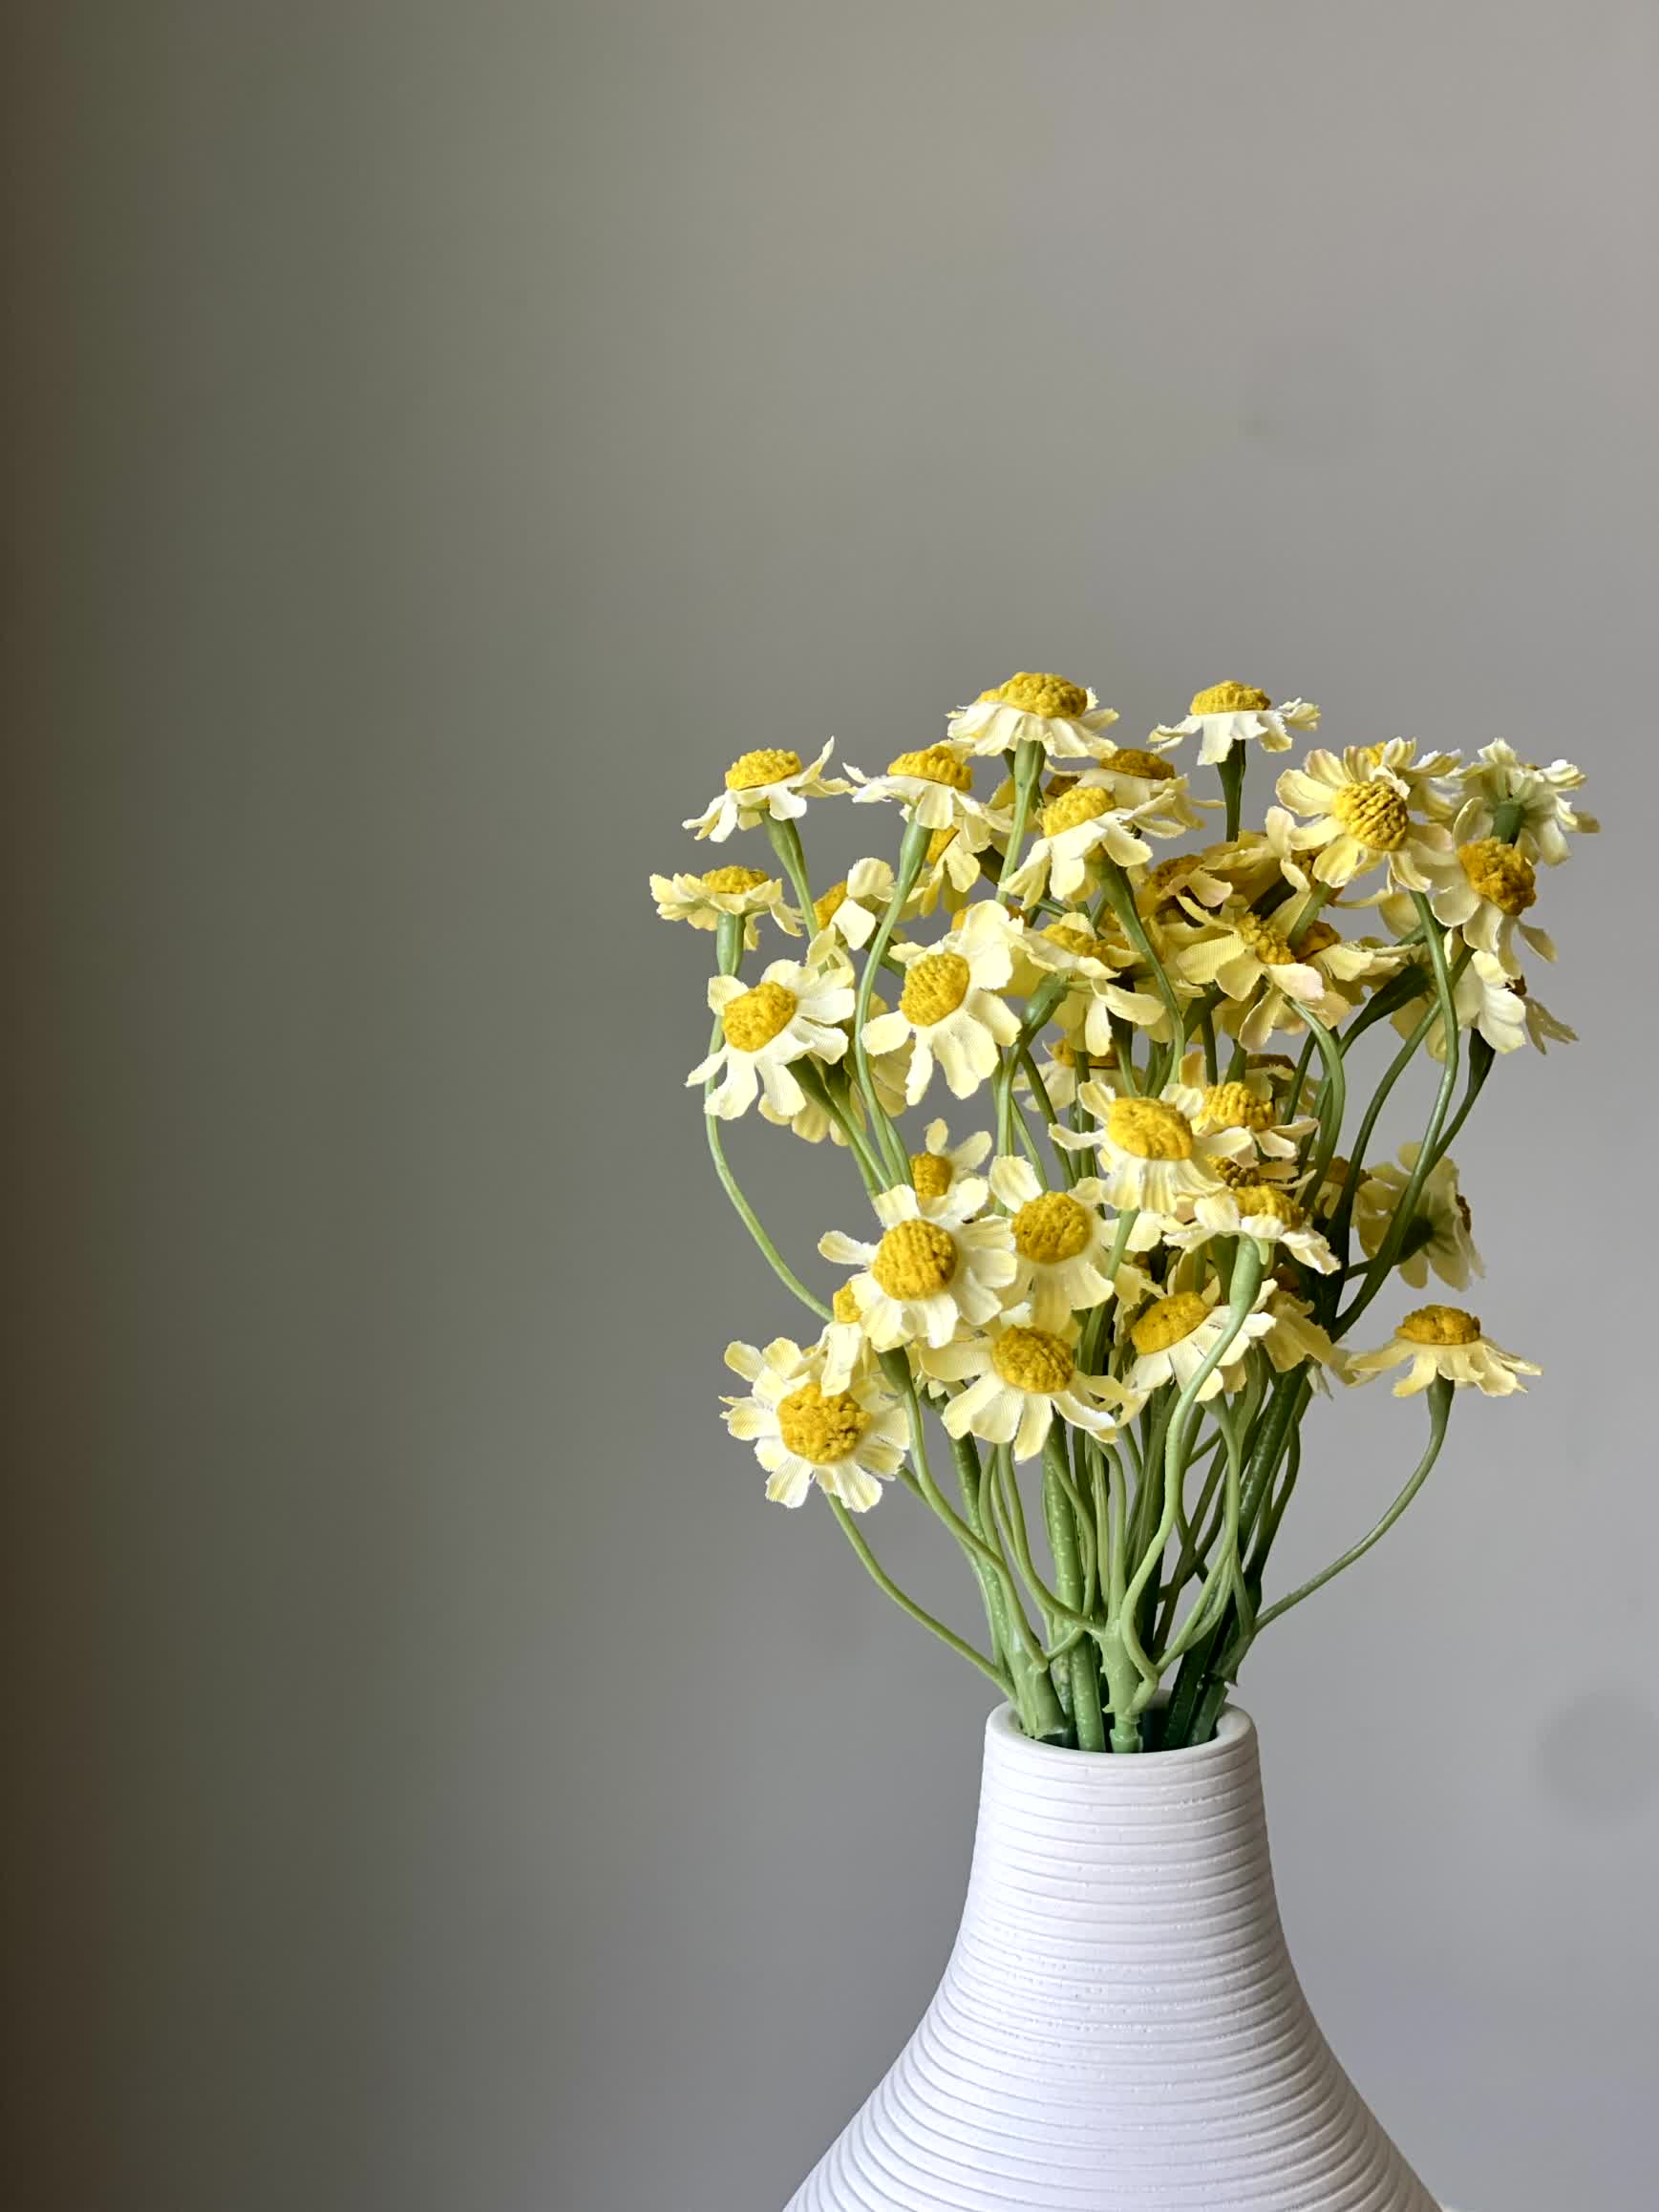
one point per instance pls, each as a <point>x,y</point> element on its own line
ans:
<point>1156,1154</point>
<point>930,1272</point>
<point>941,1169</point>
<point>1229,714</point>
<point>1535,799</point>
<point>772,782</point>
<point>1065,720</point>
<point>1062,1242</point>
<point>853,909</point>
<point>1085,824</point>
<point>1441,1226</point>
<point>850,1440</point>
<point>706,901</point>
<point>1018,1378</point>
<point>1360,802</point>
<point>934,786</point>
<point>1443,1340</point>
<point>1174,1336</point>
<point>949,1006</point>
<point>791,1011</point>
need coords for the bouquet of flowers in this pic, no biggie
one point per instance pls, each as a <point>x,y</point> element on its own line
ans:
<point>1103,1316</point>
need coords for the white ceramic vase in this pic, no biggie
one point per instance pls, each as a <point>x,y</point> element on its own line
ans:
<point>1119,2027</point>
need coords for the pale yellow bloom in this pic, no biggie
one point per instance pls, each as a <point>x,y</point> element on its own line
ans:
<point>1442,1341</point>
<point>1361,804</point>
<point>1018,1378</point>
<point>850,1440</point>
<point>1441,1217</point>
<point>791,1011</point>
<point>771,782</point>
<point>1229,714</point>
<point>706,901</point>
<point>930,1273</point>
<point>1062,1242</point>
<point>1174,1335</point>
<point>949,1006</point>
<point>1065,720</point>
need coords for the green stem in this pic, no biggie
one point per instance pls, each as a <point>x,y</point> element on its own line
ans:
<point>911,854</point>
<point>1028,764</point>
<point>883,1581</point>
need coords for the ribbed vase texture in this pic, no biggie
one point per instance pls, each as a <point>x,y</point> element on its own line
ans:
<point>1119,2027</point>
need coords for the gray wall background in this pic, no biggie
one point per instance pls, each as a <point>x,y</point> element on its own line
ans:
<point>444,435</point>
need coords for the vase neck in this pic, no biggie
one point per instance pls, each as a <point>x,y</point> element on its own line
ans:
<point>1093,1848</point>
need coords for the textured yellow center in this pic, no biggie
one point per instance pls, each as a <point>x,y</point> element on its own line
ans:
<point>930,1175</point>
<point>1263,944</point>
<point>826,909</point>
<point>1148,1129</point>
<point>1231,699</point>
<point>1168,1321</point>
<point>843,1304</point>
<point>1072,937</point>
<point>935,987</point>
<point>733,882</point>
<point>1439,1324</point>
<point>758,1017</point>
<point>1050,696</point>
<point>1087,803</point>
<point>770,765</point>
<point>1315,936</point>
<point>914,1259</point>
<point>1030,1359</point>
<point>821,1428</point>
<point>1497,872</point>
<point>936,764</point>
<point>1236,1106</point>
<point>1257,1198</point>
<point>1052,1228</point>
<point>1375,815</point>
<point>1131,761</point>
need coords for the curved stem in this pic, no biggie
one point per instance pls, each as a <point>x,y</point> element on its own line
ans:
<point>1439,1395</point>
<point>911,854</point>
<point>1028,763</point>
<point>883,1581</point>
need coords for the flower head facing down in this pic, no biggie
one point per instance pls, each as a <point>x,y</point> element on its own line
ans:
<point>707,900</point>
<point>1444,1343</point>
<point>848,1440</point>
<point>1438,1234</point>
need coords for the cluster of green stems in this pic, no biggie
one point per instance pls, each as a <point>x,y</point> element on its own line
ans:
<point>1127,1633</point>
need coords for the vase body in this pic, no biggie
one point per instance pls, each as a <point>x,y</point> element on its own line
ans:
<point>1119,2027</point>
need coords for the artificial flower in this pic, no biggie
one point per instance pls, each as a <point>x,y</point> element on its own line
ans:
<point>934,786</point>
<point>1064,719</point>
<point>791,1011</point>
<point>930,1273</point>
<point>950,1005</point>
<point>1360,802</point>
<point>1085,826</point>
<point>1018,1376</point>
<point>771,782</point>
<point>1531,802</point>
<point>1154,1154</point>
<point>850,1440</point>
<point>1174,1336</point>
<point>853,909</point>
<point>1062,1242</point>
<point>1229,714</point>
<point>1440,1234</point>
<point>706,901</point>
<point>1442,1341</point>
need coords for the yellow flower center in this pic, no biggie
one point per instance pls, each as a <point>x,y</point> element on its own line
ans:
<point>938,844</point>
<point>1131,761</point>
<point>1072,937</point>
<point>1375,815</point>
<point>1439,1324</point>
<point>843,1304</point>
<point>819,1429</point>
<point>1499,874</point>
<point>1168,1322</point>
<point>1052,1228</point>
<point>1030,1359</point>
<point>758,1017</point>
<point>1267,1197</point>
<point>1231,699</point>
<point>1148,1129</point>
<point>733,882</point>
<point>935,987</point>
<point>1051,697</point>
<point>770,765</point>
<point>1264,944</point>
<point>930,1175</point>
<point>826,909</point>
<point>914,1259</point>
<point>1086,802</point>
<point>1315,936</point>
<point>1236,1106</point>
<point>936,764</point>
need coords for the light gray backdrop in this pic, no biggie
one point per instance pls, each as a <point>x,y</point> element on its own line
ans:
<point>446,435</point>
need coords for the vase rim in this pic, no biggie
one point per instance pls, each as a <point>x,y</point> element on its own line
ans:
<point>1233,1726</point>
